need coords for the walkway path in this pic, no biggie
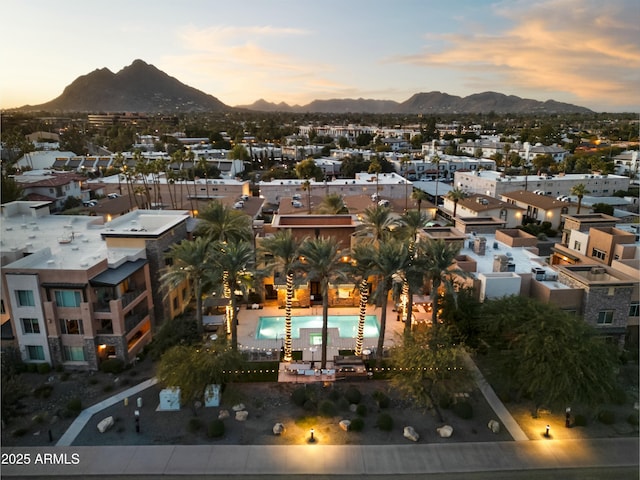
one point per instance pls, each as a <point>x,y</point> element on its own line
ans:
<point>81,420</point>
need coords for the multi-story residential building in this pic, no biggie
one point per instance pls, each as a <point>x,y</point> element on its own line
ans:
<point>495,183</point>
<point>82,292</point>
<point>540,208</point>
<point>483,206</point>
<point>51,186</point>
<point>385,185</point>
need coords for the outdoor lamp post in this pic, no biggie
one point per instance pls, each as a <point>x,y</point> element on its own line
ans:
<point>311,438</point>
<point>546,434</point>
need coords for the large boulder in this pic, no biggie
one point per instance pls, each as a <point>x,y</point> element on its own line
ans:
<point>223,414</point>
<point>494,426</point>
<point>445,431</point>
<point>278,429</point>
<point>105,424</point>
<point>411,434</point>
<point>242,415</point>
<point>344,425</point>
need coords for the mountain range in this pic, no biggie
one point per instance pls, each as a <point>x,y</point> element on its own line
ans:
<point>143,88</point>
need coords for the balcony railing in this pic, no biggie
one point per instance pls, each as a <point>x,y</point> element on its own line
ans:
<point>129,297</point>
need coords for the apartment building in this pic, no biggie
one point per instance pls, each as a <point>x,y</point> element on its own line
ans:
<point>78,291</point>
<point>478,206</point>
<point>540,208</point>
<point>495,183</point>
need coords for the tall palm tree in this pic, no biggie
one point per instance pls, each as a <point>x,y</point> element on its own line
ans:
<point>579,191</point>
<point>411,223</point>
<point>455,195</point>
<point>118,163</point>
<point>419,196</point>
<point>190,262</point>
<point>306,186</point>
<point>333,204</point>
<point>405,161</point>
<point>440,258</point>
<point>219,222</point>
<point>282,251</point>
<point>376,167</point>
<point>142,170</point>
<point>362,264</point>
<point>236,261</point>
<point>377,223</point>
<point>436,160</point>
<point>390,261</point>
<point>322,261</point>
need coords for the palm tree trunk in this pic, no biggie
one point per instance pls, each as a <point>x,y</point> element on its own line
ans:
<point>198,294</point>
<point>325,325</point>
<point>288,354</point>
<point>406,290</point>
<point>234,322</point>
<point>364,293</point>
<point>435,285</point>
<point>383,324</point>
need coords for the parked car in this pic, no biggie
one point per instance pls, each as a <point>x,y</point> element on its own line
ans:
<point>90,203</point>
<point>238,204</point>
<point>296,204</point>
<point>113,195</point>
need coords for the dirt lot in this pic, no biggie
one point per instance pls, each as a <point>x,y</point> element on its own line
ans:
<point>266,404</point>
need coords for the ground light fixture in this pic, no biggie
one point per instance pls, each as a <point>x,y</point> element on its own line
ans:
<point>546,433</point>
<point>311,437</point>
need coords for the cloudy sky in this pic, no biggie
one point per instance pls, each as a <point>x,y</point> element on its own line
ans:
<point>578,51</point>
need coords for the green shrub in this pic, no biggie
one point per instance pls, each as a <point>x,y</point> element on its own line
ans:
<point>310,406</point>
<point>361,410</point>
<point>43,391</point>
<point>327,408</point>
<point>353,395</point>
<point>334,395</point>
<point>580,420</point>
<point>299,396</point>
<point>381,399</point>
<point>93,381</point>
<point>38,418</point>
<point>107,388</point>
<point>607,417</point>
<point>32,367</point>
<point>632,419</point>
<point>343,404</point>
<point>112,365</point>
<point>74,405</point>
<point>619,396</point>
<point>215,428</point>
<point>20,432</point>
<point>194,425</point>
<point>357,424</point>
<point>385,422</point>
<point>445,402</point>
<point>43,368</point>
<point>463,410</point>
<point>65,376</point>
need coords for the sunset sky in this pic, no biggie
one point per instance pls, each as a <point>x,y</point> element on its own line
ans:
<point>578,51</point>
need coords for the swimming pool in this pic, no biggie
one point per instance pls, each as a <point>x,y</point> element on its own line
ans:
<point>272,328</point>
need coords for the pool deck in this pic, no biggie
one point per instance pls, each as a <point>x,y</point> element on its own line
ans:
<point>248,324</point>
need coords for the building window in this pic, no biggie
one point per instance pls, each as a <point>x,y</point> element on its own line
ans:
<point>73,354</point>
<point>605,317</point>
<point>35,352</point>
<point>25,298</point>
<point>634,309</point>
<point>68,298</point>
<point>596,253</point>
<point>577,245</point>
<point>30,325</point>
<point>71,327</point>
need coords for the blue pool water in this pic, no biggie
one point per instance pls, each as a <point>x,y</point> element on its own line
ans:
<point>273,327</point>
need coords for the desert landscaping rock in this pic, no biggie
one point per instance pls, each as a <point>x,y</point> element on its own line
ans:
<point>411,434</point>
<point>105,424</point>
<point>494,426</point>
<point>223,414</point>
<point>238,407</point>
<point>344,425</point>
<point>278,429</point>
<point>242,415</point>
<point>445,431</point>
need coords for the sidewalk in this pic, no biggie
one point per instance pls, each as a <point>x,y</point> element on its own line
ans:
<point>316,459</point>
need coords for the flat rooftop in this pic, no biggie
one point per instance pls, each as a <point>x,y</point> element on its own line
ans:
<point>71,242</point>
